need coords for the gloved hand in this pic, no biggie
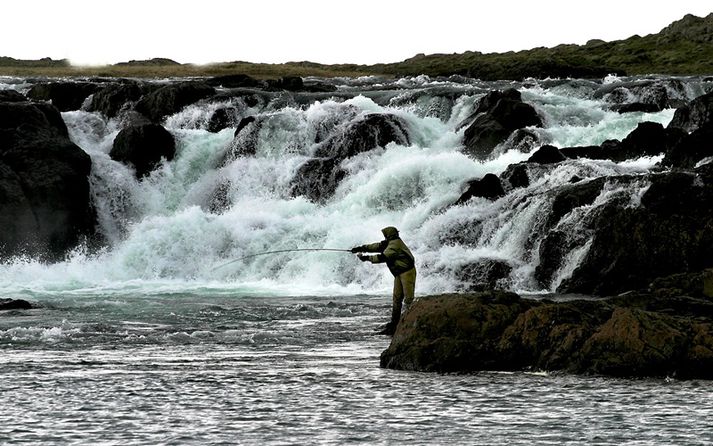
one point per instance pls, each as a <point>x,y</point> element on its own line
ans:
<point>356,249</point>
<point>363,258</point>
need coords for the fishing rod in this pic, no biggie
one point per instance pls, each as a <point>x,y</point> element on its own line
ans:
<point>280,251</point>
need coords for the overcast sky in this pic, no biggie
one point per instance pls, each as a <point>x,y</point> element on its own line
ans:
<point>357,31</point>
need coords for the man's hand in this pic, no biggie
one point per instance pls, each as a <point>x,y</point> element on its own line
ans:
<point>363,258</point>
<point>356,249</point>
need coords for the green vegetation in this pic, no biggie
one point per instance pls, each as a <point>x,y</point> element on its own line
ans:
<point>683,48</point>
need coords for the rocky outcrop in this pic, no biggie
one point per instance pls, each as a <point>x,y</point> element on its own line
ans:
<point>319,177</point>
<point>65,96</point>
<point>172,98</point>
<point>289,83</point>
<point>645,334</point>
<point>143,147</point>
<point>45,207</point>
<point>670,232</point>
<point>691,149</point>
<point>497,116</point>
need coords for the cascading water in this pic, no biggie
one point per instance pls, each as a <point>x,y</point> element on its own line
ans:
<point>210,205</point>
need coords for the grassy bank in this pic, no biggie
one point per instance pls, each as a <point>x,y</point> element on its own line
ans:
<point>683,48</point>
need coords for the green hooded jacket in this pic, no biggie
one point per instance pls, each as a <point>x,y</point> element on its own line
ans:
<point>392,251</point>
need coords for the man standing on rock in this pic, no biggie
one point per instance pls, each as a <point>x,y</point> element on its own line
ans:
<point>394,252</point>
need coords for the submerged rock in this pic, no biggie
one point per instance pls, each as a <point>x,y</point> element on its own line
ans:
<point>45,207</point>
<point>143,147</point>
<point>636,335</point>
<point>223,118</point>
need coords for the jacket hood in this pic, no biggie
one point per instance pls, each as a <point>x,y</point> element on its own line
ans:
<point>390,233</point>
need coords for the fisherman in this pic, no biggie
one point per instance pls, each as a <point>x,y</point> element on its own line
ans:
<point>394,252</point>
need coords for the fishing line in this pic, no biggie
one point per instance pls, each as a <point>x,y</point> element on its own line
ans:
<point>279,251</point>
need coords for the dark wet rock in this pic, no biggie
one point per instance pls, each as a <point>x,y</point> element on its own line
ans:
<point>65,96</point>
<point>318,87</point>
<point>458,332</point>
<point>638,335</point>
<point>115,97</point>
<point>522,140</point>
<point>697,114</point>
<point>497,116</point>
<point>659,94</point>
<point>516,175</point>
<point>45,206</point>
<point>547,154</point>
<point>11,96</point>
<point>172,98</point>
<point>289,83</point>
<point>234,81</point>
<point>691,149</point>
<point>223,118</point>
<point>143,147</point>
<point>556,243</point>
<point>589,152</point>
<point>637,107</point>
<point>374,130</point>
<point>319,177</point>
<point>647,139</point>
<point>670,232</point>
<point>485,274</point>
<point>488,187</point>
<point>245,139</point>
<point>15,304</point>
<point>571,196</point>
<point>696,284</point>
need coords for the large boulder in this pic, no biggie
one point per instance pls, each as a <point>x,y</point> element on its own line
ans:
<point>670,232</point>
<point>636,335</point>
<point>115,97</point>
<point>697,114</point>
<point>318,178</point>
<point>172,98</point>
<point>45,206</point>
<point>11,96</point>
<point>143,147</point>
<point>497,117</point>
<point>691,149</point>
<point>65,96</point>
<point>453,333</point>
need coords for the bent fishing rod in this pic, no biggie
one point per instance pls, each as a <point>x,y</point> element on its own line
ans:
<point>280,251</point>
